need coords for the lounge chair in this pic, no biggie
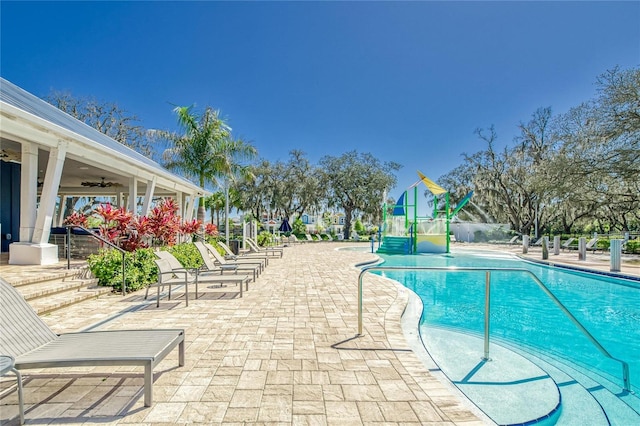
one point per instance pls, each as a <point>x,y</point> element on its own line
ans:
<point>329,237</point>
<point>208,252</point>
<point>258,262</point>
<point>255,248</point>
<point>296,240</point>
<point>567,244</point>
<point>592,244</point>
<point>310,238</point>
<point>230,255</point>
<point>195,275</point>
<point>168,277</point>
<point>514,240</point>
<point>34,345</point>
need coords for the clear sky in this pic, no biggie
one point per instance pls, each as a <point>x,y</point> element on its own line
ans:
<point>406,81</point>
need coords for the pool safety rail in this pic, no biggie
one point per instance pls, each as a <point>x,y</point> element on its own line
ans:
<point>625,366</point>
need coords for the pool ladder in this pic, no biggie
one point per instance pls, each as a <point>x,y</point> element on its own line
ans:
<point>487,298</point>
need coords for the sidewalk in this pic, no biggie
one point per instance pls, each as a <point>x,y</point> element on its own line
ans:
<point>598,261</point>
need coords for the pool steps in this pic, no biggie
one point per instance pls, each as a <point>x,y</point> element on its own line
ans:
<point>579,399</point>
<point>620,408</point>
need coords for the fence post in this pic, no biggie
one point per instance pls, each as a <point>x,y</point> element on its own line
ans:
<point>525,244</point>
<point>556,245</point>
<point>545,248</point>
<point>582,248</point>
<point>615,250</point>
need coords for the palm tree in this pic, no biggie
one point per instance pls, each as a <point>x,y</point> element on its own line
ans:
<point>229,157</point>
<point>206,152</point>
<point>215,203</point>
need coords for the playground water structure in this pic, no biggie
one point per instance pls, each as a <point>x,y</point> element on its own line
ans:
<point>542,369</point>
<point>404,232</point>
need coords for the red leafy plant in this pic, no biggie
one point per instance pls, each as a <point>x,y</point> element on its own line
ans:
<point>130,232</point>
<point>76,218</point>
<point>211,229</point>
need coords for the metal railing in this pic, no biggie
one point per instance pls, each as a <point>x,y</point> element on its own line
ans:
<point>98,237</point>
<point>625,366</point>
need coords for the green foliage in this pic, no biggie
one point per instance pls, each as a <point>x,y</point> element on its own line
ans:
<point>359,227</point>
<point>357,182</point>
<point>633,246</point>
<point>298,228</point>
<point>187,254</point>
<point>214,242</point>
<point>265,238</point>
<point>140,270</point>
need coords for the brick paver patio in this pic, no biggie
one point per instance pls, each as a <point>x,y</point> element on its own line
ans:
<point>285,353</point>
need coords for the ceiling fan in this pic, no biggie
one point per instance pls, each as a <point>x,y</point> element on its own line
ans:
<point>101,184</point>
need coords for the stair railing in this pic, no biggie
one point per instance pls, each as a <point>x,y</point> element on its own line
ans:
<point>625,366</point>
<point>98,237</point>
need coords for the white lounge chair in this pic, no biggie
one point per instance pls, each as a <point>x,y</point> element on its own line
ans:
<point>207,251</point>
<point>255,248</point>
<point>567,244</point>
<point>592,244</point>
<point>33,344</point>
<point>195,275</point>
<point>243,260</point>
<point>230,255</point>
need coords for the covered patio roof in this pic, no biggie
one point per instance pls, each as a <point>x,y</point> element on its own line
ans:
<point>62,157</point>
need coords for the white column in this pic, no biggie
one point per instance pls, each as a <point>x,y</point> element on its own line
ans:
<point>148,196</point>
<point>49,194</point>
<point>133,195</point>
<point>119,198</point>
<point>62,210</point>
<point>190,206</point>
<point>28,191</point>
<point>179,199</point>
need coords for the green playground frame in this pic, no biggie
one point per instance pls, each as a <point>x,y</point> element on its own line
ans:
<point>405,232</point>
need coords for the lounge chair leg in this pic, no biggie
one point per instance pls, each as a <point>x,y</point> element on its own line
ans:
<point>20,395</point>
<point>181,354</point>
<point>158,298</point>
<point>148,384</point>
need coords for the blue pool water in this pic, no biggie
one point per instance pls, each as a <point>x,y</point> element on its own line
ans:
<point>522,315</point>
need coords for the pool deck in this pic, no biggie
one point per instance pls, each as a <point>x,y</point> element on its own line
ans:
<point>285,353</point>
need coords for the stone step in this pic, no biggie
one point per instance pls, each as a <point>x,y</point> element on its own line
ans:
<point>40,289</point>
<point>57,289</point>
<point>55,301</point>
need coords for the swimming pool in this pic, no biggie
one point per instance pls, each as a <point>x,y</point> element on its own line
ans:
<point>524,318</point>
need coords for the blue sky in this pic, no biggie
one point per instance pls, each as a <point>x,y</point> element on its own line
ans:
<point>406,81</point>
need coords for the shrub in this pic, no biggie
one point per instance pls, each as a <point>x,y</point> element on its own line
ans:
<point>187,254</point>
<point>265,238</point>
<point>633,246</point>
<point>140,270</point>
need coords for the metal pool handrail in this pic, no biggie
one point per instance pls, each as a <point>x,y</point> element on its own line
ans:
<point>625,366</point>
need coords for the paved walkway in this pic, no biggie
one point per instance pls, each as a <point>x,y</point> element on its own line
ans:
<point>285,353</point>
